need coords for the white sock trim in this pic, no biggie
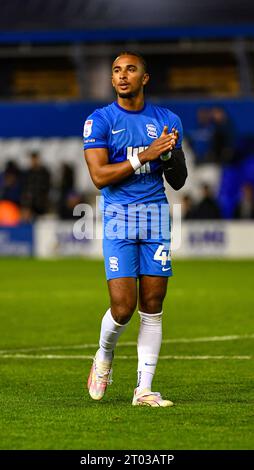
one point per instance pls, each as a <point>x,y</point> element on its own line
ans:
<point>143,314</point>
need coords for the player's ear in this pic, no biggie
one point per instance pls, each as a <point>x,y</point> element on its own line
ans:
<point>146,78</point>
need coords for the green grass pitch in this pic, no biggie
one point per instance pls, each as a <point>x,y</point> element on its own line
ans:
<point>49,307</point>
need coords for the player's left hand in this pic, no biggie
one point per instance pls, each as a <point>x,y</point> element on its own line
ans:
<point>174,134</point>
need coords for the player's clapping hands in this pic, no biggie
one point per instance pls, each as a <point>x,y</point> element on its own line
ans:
<point>174,134</point>
<point>165,143</point>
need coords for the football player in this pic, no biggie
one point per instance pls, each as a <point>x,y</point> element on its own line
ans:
<point>129,145</point>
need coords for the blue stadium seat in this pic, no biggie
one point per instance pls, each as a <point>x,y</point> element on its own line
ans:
<point>247,170</point>
<point>229,190</point>
<point>232,179</point>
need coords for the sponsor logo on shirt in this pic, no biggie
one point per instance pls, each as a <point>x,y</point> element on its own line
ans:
<point>88,127</point>
<point>89,141</point>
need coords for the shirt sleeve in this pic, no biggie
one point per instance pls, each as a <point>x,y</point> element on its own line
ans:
<point>95,131</point>
<point>177,124</point>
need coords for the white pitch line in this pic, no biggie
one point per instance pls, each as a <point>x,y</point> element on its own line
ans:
<point>64,357</point>
<point>209,338</point>
<point>130,343</point>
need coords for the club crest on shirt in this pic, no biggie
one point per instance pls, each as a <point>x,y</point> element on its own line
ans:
<point>88,127</point>
<point>151,131</point>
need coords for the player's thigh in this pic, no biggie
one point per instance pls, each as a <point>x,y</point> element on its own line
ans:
<point>152,291</point>
<point>155,269</point>
<point>123,296</point>
<point>122,269</point>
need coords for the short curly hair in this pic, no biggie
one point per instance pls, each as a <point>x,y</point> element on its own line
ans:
<point>135,54</point>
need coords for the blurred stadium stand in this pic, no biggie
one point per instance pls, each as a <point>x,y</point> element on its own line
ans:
<point>77,15</point>
<point>55,61</point>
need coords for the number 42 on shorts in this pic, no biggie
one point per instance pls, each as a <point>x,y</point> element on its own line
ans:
<point>161,255</point>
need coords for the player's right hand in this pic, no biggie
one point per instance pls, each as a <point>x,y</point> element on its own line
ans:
<point>165,143</point>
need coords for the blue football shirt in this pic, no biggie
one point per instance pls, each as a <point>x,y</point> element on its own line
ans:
<point>126,133</point>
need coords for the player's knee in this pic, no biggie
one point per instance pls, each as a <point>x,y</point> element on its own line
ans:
<point>151,305</point>
<point>122,312</point>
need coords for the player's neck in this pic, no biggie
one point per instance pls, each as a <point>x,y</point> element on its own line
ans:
<point>131,104</point>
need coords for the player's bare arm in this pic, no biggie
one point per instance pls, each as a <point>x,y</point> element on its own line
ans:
<point>104,173</point>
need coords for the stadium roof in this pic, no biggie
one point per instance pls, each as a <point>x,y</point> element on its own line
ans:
<point>52,15</point>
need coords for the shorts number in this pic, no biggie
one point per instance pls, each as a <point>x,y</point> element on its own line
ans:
<point>161,255</point>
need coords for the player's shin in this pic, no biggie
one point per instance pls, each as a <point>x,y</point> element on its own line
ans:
<point>110,332</point>
<point>149,344</point>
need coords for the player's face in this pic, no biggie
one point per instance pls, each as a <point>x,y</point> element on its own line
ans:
<point>128,76</point>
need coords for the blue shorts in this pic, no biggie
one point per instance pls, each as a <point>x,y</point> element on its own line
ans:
<point>131,255</point>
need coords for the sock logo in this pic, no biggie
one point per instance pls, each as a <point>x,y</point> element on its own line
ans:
<point>139,378</point>
<point>146,364</point>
